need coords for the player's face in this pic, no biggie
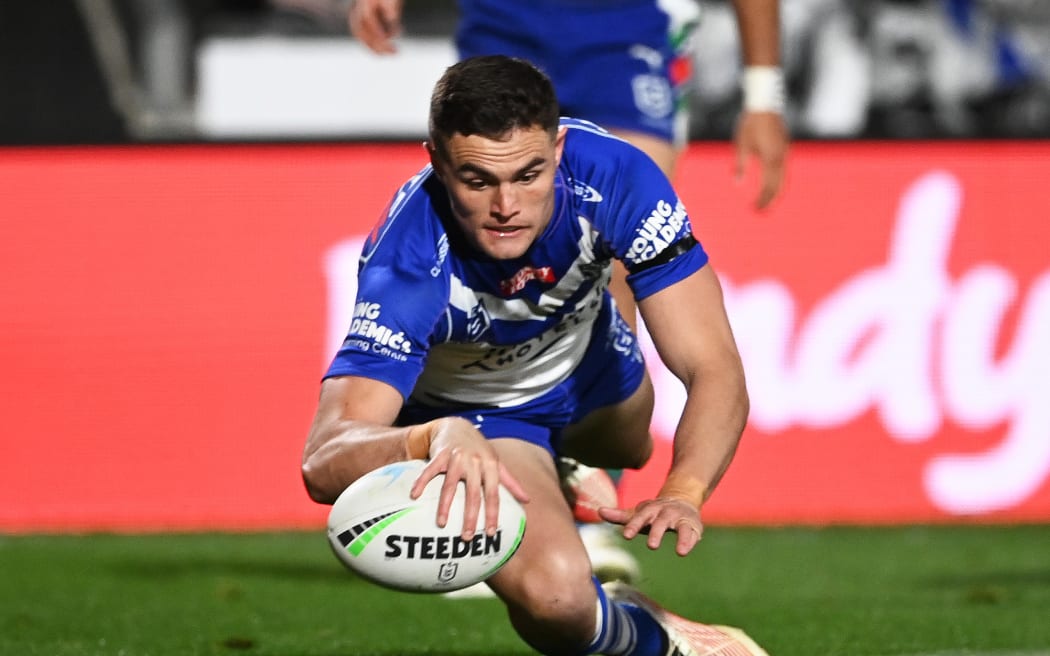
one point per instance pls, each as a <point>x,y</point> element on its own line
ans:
<point>501,191</point>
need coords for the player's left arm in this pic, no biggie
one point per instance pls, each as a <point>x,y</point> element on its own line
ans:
<point>691,331</point>
<point>761,131</point>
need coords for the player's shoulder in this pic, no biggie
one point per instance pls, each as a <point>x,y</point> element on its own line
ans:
<point>590,147</point>
<point>590,137</point>
<point>599,162</point>
<point>409,232</point>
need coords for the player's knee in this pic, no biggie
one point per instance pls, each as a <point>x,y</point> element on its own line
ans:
<point>555,602</point>
<point>558,592</point>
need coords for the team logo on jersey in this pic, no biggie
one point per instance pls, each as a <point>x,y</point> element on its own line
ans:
<point>518,281</point>
<point>586,192</point>
<point>623,340</point>
<point>478,321</point>
<point>652,93</point>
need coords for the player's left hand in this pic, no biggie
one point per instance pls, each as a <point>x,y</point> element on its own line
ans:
<point>763,135</point>
<point>656,517</point>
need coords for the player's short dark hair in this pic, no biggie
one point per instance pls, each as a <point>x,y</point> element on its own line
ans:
<point>490,96</point>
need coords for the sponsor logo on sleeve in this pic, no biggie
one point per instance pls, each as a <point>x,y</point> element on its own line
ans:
<point>478,321</point>
<point>369,334</point>
<point>661,228</point>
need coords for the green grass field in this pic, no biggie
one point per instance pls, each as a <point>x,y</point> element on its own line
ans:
<point>911,591</point>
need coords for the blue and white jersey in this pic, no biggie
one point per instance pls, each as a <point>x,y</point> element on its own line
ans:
<point>447,326</point>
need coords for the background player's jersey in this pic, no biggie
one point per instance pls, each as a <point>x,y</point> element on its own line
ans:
<point>445,325</point>
<point>623,64</point>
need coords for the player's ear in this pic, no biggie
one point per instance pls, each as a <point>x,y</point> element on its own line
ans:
<point>435,158</point>
<point>559,144</point>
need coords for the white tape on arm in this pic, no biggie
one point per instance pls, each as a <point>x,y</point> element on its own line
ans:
<point>763,88</point>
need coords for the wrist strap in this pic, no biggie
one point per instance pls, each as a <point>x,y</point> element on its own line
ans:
<point>763,88</point>
<point>685,488</point>
<point>417,442</point>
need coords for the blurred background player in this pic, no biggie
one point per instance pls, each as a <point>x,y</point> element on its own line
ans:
<point>623,64</point>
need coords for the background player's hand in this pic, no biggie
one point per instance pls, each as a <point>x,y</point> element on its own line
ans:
<point>657,517</point>
<point>463,454</point>
<point>376,23</point>
<point>764,136</point>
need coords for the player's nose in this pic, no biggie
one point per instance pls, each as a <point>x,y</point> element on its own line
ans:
<point>505,201</point>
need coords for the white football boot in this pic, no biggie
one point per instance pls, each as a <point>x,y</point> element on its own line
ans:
<point>685,637</point>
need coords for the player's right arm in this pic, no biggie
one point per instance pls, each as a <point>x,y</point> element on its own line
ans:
<point>376,23</point>
<point>352,434</point>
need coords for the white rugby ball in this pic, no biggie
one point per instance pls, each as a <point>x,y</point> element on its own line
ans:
<point>384,535</point>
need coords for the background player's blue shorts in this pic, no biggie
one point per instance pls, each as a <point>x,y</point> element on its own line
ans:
<point>613,62</point>
<point>611,370</point>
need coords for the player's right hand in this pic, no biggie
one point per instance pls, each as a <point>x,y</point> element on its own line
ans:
<point>459,450</point>
<point>376,23</point>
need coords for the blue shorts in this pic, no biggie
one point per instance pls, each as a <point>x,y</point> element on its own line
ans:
<point>621,64</point>
<point>611,370</point>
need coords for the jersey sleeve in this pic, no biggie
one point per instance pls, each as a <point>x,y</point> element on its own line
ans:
<point>662,250</point>
<point>401,293</point>
<point>642,220</point>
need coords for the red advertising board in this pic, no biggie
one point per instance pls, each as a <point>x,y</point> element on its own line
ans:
<point>166,313</point>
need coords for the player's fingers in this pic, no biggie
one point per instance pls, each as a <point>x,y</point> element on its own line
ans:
<point>771,181</point>
<point>614,515</point>
<point>471,501</point>
<point>388,25</point>
<point>389,16</point>
<point>432,469</point>
<point>689,533</point>
<point>353,20</point>
<point>369,24</point>
<point>656,534</point>
<point>453,475</point>
<point>640,521</point>
<point>362,22</point>
<point>490,488</point>
<point>772,175</point>
<point>666,516</point>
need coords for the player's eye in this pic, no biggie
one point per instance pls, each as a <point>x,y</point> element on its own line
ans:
<point>531,176</point>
